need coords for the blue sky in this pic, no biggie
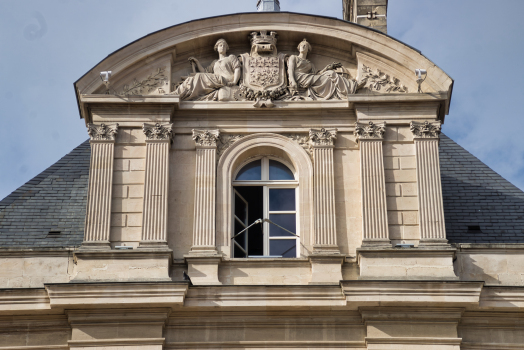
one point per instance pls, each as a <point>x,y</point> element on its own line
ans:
<point>47,45</point>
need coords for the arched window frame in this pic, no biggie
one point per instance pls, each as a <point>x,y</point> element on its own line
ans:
<point>237,154</point>
<point>268,184</point>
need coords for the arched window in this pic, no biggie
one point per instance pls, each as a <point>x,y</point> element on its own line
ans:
<point>266,189</point>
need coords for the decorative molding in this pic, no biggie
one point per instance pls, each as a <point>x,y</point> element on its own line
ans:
<point>322,137</point>
<point>426,129</point>
<point>371,131</point>
<point>379,81</point>
<point>225,141</point>
<point>152,82</point>
<point>303,141</point>
<point>102,132</point>
<point>158,131</point>
<point>206,138</point>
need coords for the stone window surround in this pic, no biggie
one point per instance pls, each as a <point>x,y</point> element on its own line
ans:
<point>257,145</point>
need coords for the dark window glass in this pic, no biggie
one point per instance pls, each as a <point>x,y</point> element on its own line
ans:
<point>252,171</point>
<point>278,171</point>
<point>287,248</point>
<point>287,221</point>
<point>281,199</point>
<point>240,208</point>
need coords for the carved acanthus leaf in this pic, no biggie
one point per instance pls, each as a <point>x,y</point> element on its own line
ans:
<point>102,132</point>
<point>370,130</point>
<point>323,137</point>
<point>303,141</point>
<point>154,81</point>
<point>206,138</point>
<point>426,129</point>
<point>225,141</point>
<point>380,82</point>
<point>158,131</point>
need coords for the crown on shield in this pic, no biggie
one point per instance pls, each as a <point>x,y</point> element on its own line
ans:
<point>263,38</point>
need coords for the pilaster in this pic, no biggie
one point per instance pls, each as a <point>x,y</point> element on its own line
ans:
<point>322,142</point>
<point>154,227</point>
<point>374,210</point>
<point>203,258</point>
<point>98,209</point>
<point>431,207</point>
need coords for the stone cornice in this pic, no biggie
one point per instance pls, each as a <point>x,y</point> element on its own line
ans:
<point>205,138</point>
<point>322,137</point>
<point>370,131</point>
<point>102,132</point>
<point>425,130</point>
<point>158,132</point>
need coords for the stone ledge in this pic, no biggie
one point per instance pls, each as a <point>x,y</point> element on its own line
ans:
<point>502,297</point>
<point>116,342</point>
<point>116,295</point>
<point>267,345</point>
<point>16,300</point>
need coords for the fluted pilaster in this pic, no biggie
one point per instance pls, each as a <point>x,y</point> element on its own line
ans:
<point>98,210</point>
<point>205,182</point>
<point>322,142</point>
<point>374,209</point>
<point>431,207</point>
<point>156,185</point>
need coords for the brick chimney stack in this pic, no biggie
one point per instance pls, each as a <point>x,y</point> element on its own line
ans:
<point>369,13</point>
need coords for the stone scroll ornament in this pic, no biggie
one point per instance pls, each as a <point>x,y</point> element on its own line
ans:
<point>322,137</point>
<point>206,138</point>
<point>158,131</point>
<point>426,129</point>
<point>370,131</point>
<point>379,81</point>
<point>102,132</point>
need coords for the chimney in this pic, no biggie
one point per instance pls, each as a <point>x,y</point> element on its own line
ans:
<point>268,6</point>
<point>369,13</point>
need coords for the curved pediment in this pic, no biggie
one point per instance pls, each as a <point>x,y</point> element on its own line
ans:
<point>372,62</point>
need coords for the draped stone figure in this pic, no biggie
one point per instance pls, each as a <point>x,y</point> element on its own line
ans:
<point>326,84</point>
<point>204,85</point>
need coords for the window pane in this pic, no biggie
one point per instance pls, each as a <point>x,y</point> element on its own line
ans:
<point>278,171</point>
<point>252,171</point>
<point>240,209</point>
<point>287,221</point>
<point>287,248</point>
<point>281,199</point>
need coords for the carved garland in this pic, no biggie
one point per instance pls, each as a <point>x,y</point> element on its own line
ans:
<point>426,129</point>
<point>158,131</point>
<point>370,131</point>
<point>380,82</point>
<point>102,132</point>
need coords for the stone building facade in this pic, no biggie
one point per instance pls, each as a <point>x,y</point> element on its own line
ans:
<point>263,203</point>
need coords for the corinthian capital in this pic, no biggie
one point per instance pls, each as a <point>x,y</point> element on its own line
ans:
<point>322,137</point>
<point>158,131</point>
<point>206,138</point>
<point>102,132</point>
<point>425,130</point>
<point>370,131</point>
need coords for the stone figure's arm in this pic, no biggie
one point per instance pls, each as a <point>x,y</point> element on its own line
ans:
<point>331,66</point>
<point>236,78</point>
<point>196,63</point>
<point>291,73</point>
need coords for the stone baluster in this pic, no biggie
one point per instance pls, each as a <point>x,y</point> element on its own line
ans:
<point>154,223</point>
<point>205,191</point>
<point>374,209</point>
<point>431,207</point>
<point>100,188</point>
<point>322,141</point>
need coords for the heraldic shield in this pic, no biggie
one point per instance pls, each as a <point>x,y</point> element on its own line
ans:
<point>264,73</point>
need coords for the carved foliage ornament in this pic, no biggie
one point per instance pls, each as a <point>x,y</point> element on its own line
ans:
<point>370,131</point>
<point>426,129</point>
<point>380,82</point>
<point>158,131</point>
<point>225,141</point>
<point>206,138</point>
<point>102,132</point>
<point>154,81</point>
<point>322,137</point>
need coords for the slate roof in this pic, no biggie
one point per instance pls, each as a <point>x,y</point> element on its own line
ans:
<point>55,200</point>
